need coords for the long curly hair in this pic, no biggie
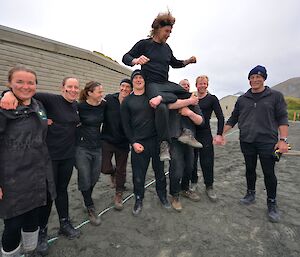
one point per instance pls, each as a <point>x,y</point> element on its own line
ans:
<point>161,20</point>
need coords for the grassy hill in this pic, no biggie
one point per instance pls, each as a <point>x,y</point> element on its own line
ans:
<point>293,106</point>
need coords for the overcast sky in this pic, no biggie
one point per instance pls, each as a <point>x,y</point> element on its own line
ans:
<point>227,37</point>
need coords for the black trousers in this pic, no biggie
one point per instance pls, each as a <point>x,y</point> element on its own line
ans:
<point>264,151</point>
<point>11,237</point>
<point>206,157</point>
<point>181,166</point>
<point>140,163</point>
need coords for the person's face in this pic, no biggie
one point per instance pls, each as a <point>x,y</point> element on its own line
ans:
<point>202,85</point>
<point>138,82</point>
<point>125,89</point>
<point>163,33</point>
<point>256,82</point>
<point>70,90</point>
<point>97,94</point>
<point>185,84</point>
<point>23,85</point>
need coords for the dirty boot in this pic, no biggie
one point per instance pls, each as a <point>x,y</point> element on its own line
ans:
<point>42,247</point>
<point>187,138</point>
<point>30,240</point>
<point>164,151</point>
<point>67,229</point>
<point>273,213</point>
<point>13,253</point>
<point>93,217</point>
<point>249,198</point>
<point>118,201</point>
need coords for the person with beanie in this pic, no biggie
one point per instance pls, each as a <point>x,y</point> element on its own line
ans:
<point>115,142</point>
<point>155,56</point>
<point>260,113</point>
<point>139,126</point>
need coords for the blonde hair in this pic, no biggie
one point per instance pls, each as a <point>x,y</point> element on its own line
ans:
<point>202,77</point>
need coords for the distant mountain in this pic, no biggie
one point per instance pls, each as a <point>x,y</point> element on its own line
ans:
<point>290,87</point>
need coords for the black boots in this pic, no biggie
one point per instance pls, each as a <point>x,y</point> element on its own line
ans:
<point>67,229</point>
<point>137,208</point>
<point>249,198</point>
<point>42,247</point>
<point>273,213</point>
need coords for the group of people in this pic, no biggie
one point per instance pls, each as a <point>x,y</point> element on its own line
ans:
<point>43,136</point>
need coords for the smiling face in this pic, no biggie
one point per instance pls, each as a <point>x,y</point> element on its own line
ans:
<point>97,94</point>
<point>70,89</point>
<point>138,83</point>
<point>185,84</point>
<point>257,83</point>
<point>23,85</point>
<point>125,89</point>
<point>202,85</point>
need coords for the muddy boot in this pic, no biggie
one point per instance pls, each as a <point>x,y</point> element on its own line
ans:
<point>193,196</point>
<point>273,213</point>
<point>187,138</point>
<point>164,154</point>
<point>249,198</point>
<point>13,253</point>
<point>176,204</point>
<point>42,247</point>
<point>30,241</point>
<point>67,229</point>
<point>93,217</point>
<point>118,201</point>
<point>211,194</point>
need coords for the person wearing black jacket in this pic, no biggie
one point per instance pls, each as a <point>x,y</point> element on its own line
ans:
<point>139,127</point>
<point>88,148</point>
<point>155,56</point>
<point>115,143</point>
<point>25,165</point>
<point>260,113</point>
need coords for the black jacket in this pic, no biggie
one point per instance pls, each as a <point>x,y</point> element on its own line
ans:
<point>25,165</point>
<point>259,119</point>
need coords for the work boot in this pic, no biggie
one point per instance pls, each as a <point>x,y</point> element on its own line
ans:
<point>249,198</point>
<point>165,202</point>
<point>164,151</point>
<point>42,247</point>
<point>273,213</point>
<point>118,201</point>
<point>193,196</point>
<point>211,194</point>
<point>29,240</point>
<point>93,217</point>
<point>137,208</point>
<point>13,253</point>
<point>176,204</point>
<point>67,230</point>
<point>187,138</point>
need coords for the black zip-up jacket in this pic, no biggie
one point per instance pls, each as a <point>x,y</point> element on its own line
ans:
<point>25,164</point>
<point>259,119</point>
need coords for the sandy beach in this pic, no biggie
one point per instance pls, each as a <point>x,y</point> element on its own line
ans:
<point>224,228</point>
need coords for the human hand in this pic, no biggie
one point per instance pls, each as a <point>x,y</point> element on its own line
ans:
<point>192,59</point>
<point>49,122</point>
<point>185,111</point>
<point>194,100</point>
<point>141,60</point>
<point>155,101</point>
<point>282,146</point>
<point>219,140</point>
<point>9,101</point>
<point>1,193</point>
<point>137,147</point>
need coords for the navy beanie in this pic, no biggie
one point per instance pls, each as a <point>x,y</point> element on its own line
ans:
<point>260,70</point>
<point>136,72</point>
<point>128,81</point>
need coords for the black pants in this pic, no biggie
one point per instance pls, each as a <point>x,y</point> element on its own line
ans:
<point>140,163</point>
<point>11,237</point>
<point>264,151</point>
<point>206,157</point>
<point>181,165</point>
<point>87,197</point>
<point>170,92</point>
<point>62,172</point>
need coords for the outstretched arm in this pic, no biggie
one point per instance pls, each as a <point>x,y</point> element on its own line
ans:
<point>180,103</point>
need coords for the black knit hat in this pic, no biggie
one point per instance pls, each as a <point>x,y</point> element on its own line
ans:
<point>260,70</point>
<point>136,72</point>
<point>128,81</point>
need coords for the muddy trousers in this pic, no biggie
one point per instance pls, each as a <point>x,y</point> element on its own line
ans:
<point>181,165</point>
<point>11,237</point>
<point>140,163</point>
<point>264,151</point>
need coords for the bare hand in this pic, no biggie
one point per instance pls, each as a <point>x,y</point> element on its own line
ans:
<point>155,101</point>
<point>49,122</point>
<point>219,140</point>
<point>141,60</point>
<point>282,146</point>
<point>9,101</point>
<point>192,59</point>
<point>194,100</point>
<point>137,147</point>
<point>1,193</point>
<point>185,111</point>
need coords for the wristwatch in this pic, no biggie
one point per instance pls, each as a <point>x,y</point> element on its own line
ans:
<point>284,139</point>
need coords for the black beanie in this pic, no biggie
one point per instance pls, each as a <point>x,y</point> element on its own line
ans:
<point>128,81</point>
<point>260,70</point>
<point>136,72</point>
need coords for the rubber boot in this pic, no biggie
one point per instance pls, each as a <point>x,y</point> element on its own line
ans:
<point>30,240</point>
<point>67,229</point>
<point>13,253</point>
<point>42,247</point>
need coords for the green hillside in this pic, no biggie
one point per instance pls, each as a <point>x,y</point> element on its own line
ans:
<point>293,106</point>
